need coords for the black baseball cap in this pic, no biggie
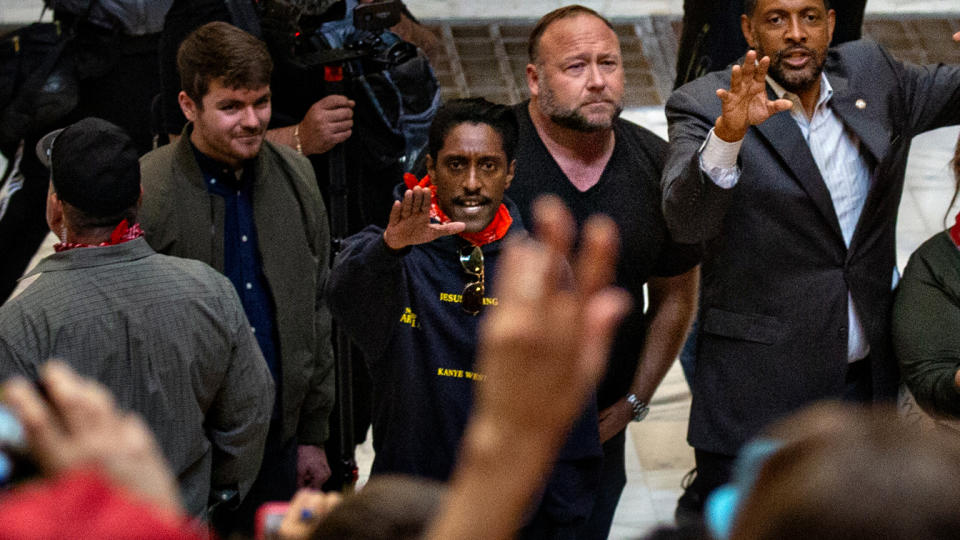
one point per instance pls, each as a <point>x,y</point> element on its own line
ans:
<point>94,166</point>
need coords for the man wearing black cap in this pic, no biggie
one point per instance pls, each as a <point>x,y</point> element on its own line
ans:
<point>167,336</point>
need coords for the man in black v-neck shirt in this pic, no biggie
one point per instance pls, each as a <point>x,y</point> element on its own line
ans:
<point>573,144</point>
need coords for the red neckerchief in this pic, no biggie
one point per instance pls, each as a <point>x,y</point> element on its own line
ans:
<point>124,232</point>
<point>955,232</point>
<point>494,231</point>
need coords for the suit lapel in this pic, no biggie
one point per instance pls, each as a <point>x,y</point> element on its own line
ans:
<point>865,120</point>
<point>860,116</point>
<point>783,135</point>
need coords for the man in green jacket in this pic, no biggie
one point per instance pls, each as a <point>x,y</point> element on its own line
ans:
<point>252,210</point>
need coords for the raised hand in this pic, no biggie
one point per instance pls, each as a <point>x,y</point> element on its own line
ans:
<point>745,104</point>
<point>409,222</point>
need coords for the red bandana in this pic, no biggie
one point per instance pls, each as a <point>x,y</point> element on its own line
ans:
<point>494,231</point>
<point>955,231</point>
<point>123,233</point>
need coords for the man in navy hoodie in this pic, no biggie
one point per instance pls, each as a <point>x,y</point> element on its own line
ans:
<point>410,295</point>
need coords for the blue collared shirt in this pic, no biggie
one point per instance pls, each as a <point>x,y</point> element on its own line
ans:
<point>241,255</point>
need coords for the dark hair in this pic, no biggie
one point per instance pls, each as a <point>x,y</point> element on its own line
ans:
<point>848,473</point>
<point>749,6</point>
<point>533,44</point>
<point>474,111</point>
<point>956,178</point>
<point>220,50</point>
<point>395,507</point>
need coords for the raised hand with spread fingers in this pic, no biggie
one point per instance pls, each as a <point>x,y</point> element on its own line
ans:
<point>746,103</point>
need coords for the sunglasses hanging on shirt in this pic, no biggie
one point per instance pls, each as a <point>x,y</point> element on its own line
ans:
<point>471,259</point>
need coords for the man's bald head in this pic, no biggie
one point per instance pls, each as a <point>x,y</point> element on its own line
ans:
<point>573,10</point>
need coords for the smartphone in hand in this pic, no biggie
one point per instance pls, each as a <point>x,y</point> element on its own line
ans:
<point>268,519</point>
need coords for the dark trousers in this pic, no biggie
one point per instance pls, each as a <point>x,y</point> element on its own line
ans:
<point>613,477</point>
<point>858,383</point>
<point>543,527</point>
<point>713,470</point>
<point>565,503</point>
<point>276,481</point>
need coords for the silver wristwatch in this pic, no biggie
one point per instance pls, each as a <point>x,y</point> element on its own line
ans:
<point>640,409</point>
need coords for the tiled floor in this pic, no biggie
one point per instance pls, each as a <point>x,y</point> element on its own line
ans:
<point>657,454</point>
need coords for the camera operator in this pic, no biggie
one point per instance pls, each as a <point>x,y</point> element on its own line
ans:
<point>329,120</point>
<point>304,116</point>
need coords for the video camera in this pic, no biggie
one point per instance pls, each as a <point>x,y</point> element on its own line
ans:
<point>356,43</point>
<point>366,41</point>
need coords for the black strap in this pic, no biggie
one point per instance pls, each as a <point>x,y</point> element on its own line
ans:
<point>39,76</point>
<point>17,116</point>
<point>244,16</point>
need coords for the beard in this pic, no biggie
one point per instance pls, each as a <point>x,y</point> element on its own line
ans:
<point>571,117</point>
<point>796,80</point>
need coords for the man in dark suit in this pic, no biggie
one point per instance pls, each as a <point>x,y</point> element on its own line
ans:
<point>797,213</point>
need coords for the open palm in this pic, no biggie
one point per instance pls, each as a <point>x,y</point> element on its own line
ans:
<point>409,222</point>
<point>746,104</point>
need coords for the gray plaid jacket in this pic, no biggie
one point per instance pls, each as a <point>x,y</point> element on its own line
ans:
<point>169,338</point>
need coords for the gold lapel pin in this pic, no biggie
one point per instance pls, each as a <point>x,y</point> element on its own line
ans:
<point>861,104</point>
